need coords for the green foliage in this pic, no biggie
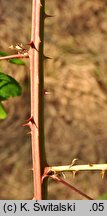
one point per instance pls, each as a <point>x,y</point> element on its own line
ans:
<point>9,87</point>
<point>17,61</point>
<point>3,113</point>
<point>14,60</point>
<point>3,53</point>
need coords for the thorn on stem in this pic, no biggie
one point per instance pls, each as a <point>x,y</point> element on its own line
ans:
<point>48,16</point>
<point>43,177</point>
<point>47,92</point>
<point>46,57</point>
<point>74,173</point>
<point>32,45</point>
<point>31,119</point>
<point>47,173</point>
<point>29,123</point>
<point>29,133</point>
<point>102,174</point>
<point>73,162</point>
<point>30,169</point>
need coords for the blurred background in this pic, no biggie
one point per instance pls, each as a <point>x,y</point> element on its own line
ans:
<point>76,109</point>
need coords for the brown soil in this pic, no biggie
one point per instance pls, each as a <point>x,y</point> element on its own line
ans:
<point>76,109</point>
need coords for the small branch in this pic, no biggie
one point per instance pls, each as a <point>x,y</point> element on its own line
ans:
<point>57,178</point>
<point>25,55</point>
<point>88,167</point>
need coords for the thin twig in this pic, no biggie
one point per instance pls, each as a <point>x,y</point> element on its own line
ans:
<point>57,178</point>
<point>25,55</point>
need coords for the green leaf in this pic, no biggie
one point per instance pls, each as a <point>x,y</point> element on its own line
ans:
<point>17,61</point>
<point>3,53</point>
<point>9,87</point>
<point>3,113</point>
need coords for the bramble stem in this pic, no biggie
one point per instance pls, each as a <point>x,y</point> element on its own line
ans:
<point>37,97</point>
